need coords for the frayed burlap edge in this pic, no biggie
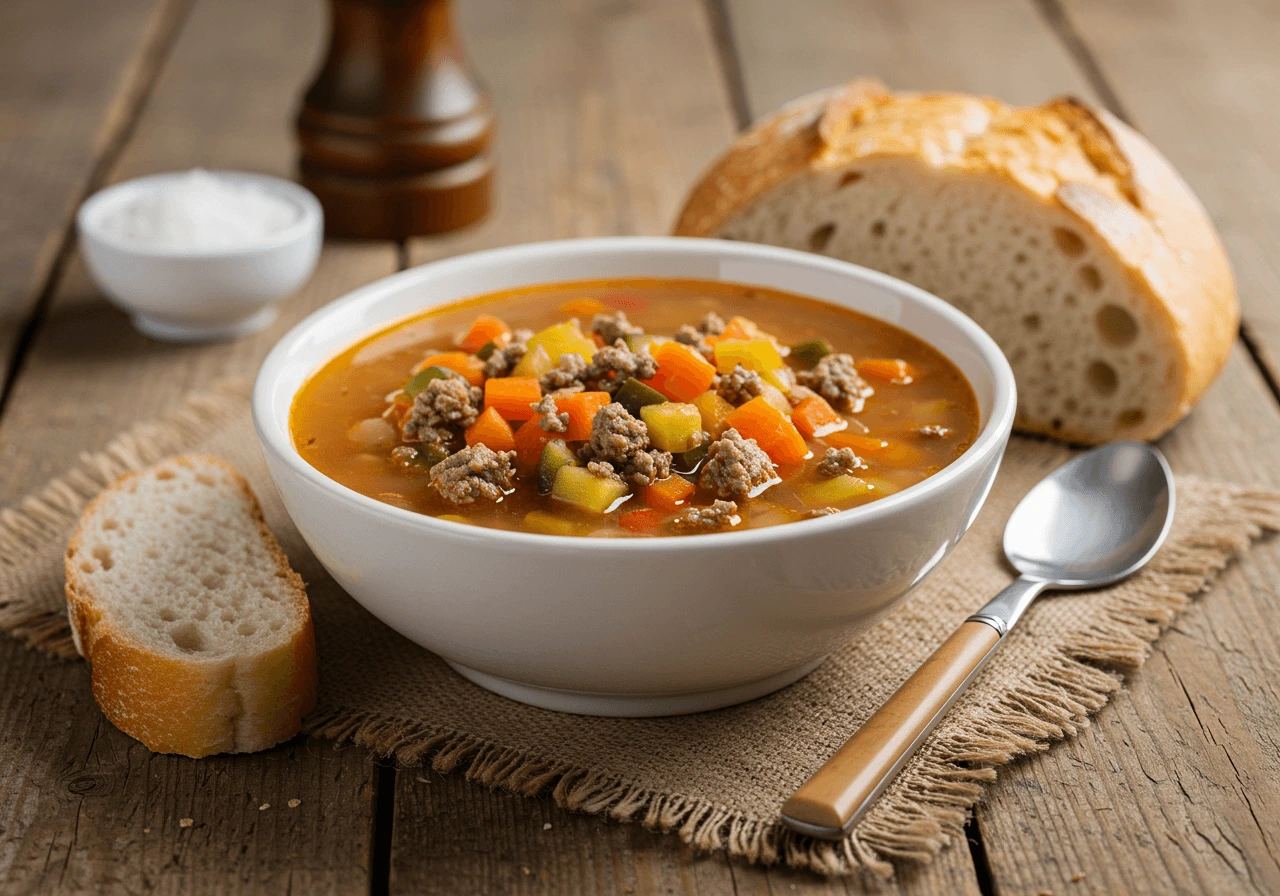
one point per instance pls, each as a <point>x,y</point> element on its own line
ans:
<point>924,809</point>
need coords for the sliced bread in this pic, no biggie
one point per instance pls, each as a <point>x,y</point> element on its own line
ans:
<point>1060,230</point>
<point>198,632</point>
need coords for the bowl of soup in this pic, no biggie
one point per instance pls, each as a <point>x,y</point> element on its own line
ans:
<point>633,476</point>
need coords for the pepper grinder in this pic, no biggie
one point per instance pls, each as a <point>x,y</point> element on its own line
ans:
<point>394,132</point>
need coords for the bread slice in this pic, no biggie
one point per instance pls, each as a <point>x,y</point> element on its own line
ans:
<point>198,631</point>
<point>1061,231</point>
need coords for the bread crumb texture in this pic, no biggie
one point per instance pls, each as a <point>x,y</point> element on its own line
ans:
<point>198,631</point>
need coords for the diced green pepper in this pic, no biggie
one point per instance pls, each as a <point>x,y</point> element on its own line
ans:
<point>673,426</point>
<point>430,455</point>
<point>419,380</point>
<point>811,351</point>
<point>485,352</point>
<point>634,395</point>
<point>555,454</point>
<point>583,489</point>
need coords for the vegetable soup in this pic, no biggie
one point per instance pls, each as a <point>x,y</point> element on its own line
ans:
<point>634,408</point>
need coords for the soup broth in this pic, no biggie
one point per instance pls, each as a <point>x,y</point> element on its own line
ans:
<point>793,451</point>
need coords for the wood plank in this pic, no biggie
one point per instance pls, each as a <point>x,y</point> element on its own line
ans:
<point>1177,770</point>
<point>1222,57</point>
<point>77,794</point>
<point>74,74</point>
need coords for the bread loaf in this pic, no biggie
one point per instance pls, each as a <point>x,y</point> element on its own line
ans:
<point>198,632</point>
<point>1059,229</point>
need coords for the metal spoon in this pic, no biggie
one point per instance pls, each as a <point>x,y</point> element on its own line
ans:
<point>1092,522</point>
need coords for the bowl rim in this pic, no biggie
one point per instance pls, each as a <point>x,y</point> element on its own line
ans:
<point>310,214</point>
<point>990,439</point>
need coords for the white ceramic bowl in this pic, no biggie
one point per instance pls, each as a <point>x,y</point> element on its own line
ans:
<point>618,626</point>
<point>200,296</point>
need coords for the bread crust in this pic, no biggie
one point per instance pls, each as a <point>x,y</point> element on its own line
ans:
<point>1067,154</point>
<point>194,706</point>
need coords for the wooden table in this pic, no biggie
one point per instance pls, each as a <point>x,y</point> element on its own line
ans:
<point>608,109</point>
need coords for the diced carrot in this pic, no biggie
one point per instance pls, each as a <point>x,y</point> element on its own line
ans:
<point>530,439</point>
<point>492,431</point>
<point>581,408</point>
<point>738,328</point>
<point>512,396</point>
<point>878,451</point>
<point>486,328</point>
<point>816,419</point>
<point>683,374</point>
<point>891,370</point>
<point>585,308</point>
<point>668,494</point>
<point>778,436</point>
<point>643,520</point>
<point>861,443</point>
<point>468,365</point>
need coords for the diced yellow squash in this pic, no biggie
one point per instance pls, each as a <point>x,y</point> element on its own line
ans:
<point>560,339</point>
<point>534,364</point>
<point>713,409</point>
<point>550,524</point>
<point>673,425</point>
<point>753,354</point>
<point>837,490</point>
<point>585,490</point>
<point>776,399</point>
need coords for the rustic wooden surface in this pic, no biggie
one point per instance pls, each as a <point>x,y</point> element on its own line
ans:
<point>607,110</point>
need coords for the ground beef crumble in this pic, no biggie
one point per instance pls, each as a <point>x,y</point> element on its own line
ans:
<point>474,472</point>
<point>720,515</point>
<point>613,327</point>
<point>622,441</point>
<point>821,512</point>
<point>836,379</point>
<point>614,364</point>
<point>570,371</point>
<point>934,431</point>
<point>506,357</point>
<point>445,402</point>
<point>711,324</point>
<point>739,386</point>
<point>689,336</point>
<point>549,419</point>
<point>840,461</point>
<point>735,467</point>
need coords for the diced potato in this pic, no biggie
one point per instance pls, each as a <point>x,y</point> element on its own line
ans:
<point>544,523</point>
<point>713,409</point>
<point>837,490</point>
<point>772,378</point>
<point>673,426</point>
<point>583,489</point>
<point>774,396</point>
<point>535,363</point>
<point>555,455</point>
<point>753,354</point>
<point>373,433</point>
<point>560,339</point>
<point>883,487</point>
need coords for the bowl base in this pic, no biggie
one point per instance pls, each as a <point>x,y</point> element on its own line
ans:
<point>587,703</point>
<point>170,331</point>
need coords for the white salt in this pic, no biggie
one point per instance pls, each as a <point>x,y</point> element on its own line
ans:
<point>200,212</point>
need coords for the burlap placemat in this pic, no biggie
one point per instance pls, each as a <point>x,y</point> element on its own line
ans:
<point>716,779</point>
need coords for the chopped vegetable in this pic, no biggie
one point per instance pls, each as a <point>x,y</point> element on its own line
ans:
<point>776,399</point>
<point>668,494</point>
<point>759,355</point>
<point>560,339</point>
<point>454,518</point>
<point>424,456</point>
<point>485,352</point>
<point>555,455</point>
<point>511,396</point>
<point>738,328</point>
<point>811,351</point>
<point>837,490</point>
<point>544,523</point>
<point>581,408</point>
<point>815,418</point>
<point>419,380</point>
<point>530,441</point>
<point>641,341</point>
<point>689,461</point>
<point>673,426</point>
<point>634,395</point>
<point>877,451</point>
<point>491,431</point>
<point>583,489</point>
<point>468,365</point>
<point>891,370</point>
<point>644,520</point>
<point>582,307</point>
<point>534,364</point>
<point>714,409</point>
<point>775,433</point>
<point>775,379</point>
<point>486,328</point>
<point>882,486</point>
<point>683,374</point>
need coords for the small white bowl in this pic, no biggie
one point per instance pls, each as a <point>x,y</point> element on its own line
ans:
<point>633,626</point>
<point>194,296</point>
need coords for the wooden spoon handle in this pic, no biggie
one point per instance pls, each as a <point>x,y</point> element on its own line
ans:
<point>828,804</point>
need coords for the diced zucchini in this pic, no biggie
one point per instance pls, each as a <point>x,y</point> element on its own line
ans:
<point>534,364</point>
<point>811,351</point>
<point>550,524</point>
<point>485,352</point>
<point>555,454</point>
<point>419,380</point>
<point>692,459</point>
<point>836,490</point>
<point>673,426</point>
<point>583,489</point>
<point>753,354</point>
<point>561,339</point>
<point>634,395</point>
<point>713,409</point>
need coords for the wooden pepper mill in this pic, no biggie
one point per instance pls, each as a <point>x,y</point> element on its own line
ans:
<point>394,132</point>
